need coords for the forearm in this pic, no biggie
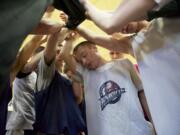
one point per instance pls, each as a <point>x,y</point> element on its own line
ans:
<point>46,26</point>
<point>24,54</point>
<point>67,56</point>
<point>29,48</point>
<point>50,50</point>
<point>101,40</point>
<point>126,13</point>
<point>145,107</point>
<point>144,104</point>
<point>122,43</point>
<point>32,65</point>
<point>85,33</point>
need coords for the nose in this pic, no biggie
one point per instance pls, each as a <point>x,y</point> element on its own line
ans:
<point>85,62</point>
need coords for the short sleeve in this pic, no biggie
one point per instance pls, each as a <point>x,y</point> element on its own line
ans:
<point>45,74</point>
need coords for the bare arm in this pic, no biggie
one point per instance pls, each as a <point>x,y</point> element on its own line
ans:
<point>49,54</point>
<point>137,82</point>
<point>47,26</point>
<point>122,43</point>
<point>67,56</point>
<point>29,48</point>
<point>78,91</point>
<point>132,10</point>
<point>24,55</point>
<point>50,50</point>
<point>144,104</point>
<point>32,65</point>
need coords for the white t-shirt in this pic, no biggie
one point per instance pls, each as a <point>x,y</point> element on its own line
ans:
<point>112,104</point>
<point>157,52</point>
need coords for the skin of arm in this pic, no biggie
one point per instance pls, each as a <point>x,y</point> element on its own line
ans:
<point>24,55</point>
<point>136,80</point>
<point>121,44</point>
<point>71,62</point>
<point>67,56</point>
<point>135,27</point>
<point>78,91</point>
<point>124,14</point>
<point>47,26</point>
<point>50,50</point>
<point>32,65</point>
<point>144,105</point>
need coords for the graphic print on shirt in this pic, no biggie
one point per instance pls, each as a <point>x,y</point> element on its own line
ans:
<point>110,93</point>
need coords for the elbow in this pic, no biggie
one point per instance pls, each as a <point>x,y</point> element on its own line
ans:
<point>110,29</point>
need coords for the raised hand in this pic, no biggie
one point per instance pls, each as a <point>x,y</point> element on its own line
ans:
<point>73,35</point>
<point>63,16</point>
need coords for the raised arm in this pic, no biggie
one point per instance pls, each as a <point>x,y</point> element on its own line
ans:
<point>32,64</point>
<point>132,10</point>
<point>47,26</point>
<point>49,54</point>
<point>122,43</point>
<point>50,50</point>
<point>24,55</point>
<point>66,54</point>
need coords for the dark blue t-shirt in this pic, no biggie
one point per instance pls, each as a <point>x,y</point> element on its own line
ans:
<point>56,109</point>
<point>4,100</point>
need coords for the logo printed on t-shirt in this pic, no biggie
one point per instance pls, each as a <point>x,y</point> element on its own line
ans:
<point>110,93</point>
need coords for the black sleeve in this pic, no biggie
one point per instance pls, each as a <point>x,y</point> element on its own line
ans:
<point>73,9</point>
<point>171,10</point>
<point>22,75</point>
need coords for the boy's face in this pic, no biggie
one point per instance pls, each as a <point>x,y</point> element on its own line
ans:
<point>87,56</point>
<point>115,55</point>
<point>59,61</point>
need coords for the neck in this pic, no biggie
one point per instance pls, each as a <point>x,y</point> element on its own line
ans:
<point>101,62</point>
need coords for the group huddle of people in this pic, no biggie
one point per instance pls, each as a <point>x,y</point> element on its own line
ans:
<point>57,86</point>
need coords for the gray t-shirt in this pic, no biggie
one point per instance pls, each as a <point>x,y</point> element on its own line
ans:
<point>45,74</point>
<point>22,115</point>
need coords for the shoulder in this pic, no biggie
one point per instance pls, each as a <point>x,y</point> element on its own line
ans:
<point>124,62</point>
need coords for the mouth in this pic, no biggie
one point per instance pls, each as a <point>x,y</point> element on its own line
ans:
<point>91,67</point>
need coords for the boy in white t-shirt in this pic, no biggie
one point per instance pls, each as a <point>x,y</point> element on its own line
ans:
<point>111,92</point>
